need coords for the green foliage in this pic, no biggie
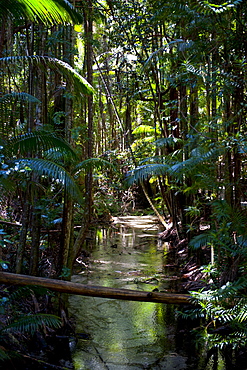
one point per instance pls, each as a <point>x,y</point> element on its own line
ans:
<point>93,163</point>
<point>48,169</point>
<point>45,62</point>
<point>47,144</point>
<point>19,323</point>
<point>25,292</point>
<point>38,141</point>
<point>19,96</point>
<point>209,7</point>
<point>30,324</point>
<point>49,12</point>
<point>223,315</point>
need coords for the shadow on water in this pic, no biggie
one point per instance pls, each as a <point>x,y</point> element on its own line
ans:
<point>121,335</point>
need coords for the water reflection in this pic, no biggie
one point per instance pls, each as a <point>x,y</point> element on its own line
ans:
<point>125,335</point>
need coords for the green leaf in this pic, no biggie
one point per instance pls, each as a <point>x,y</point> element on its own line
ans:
<point>22,96</point>
<point>44,62</point>
<point>33,142</point>
<point>141,173</point>
<point>32,323</point>
<point>52,170</point>
<point>48,12</point>
<point>201,240</point>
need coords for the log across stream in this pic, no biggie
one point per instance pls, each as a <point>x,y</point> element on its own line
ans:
<point>93,291</point>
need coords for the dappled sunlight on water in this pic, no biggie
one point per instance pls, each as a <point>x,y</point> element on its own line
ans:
<point>123,335</point>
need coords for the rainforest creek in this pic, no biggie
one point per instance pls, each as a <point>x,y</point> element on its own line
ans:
<point>123,109</point>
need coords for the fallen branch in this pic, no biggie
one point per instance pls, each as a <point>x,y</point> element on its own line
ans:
<point>93,291</point>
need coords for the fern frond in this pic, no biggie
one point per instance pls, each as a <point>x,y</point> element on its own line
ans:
<point>30,324</point>
<point>167,142</point>
<point>198,157</point>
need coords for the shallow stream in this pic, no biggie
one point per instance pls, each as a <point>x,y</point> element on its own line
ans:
<point>122,335</point>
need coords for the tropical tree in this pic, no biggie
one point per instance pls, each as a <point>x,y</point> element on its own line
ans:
<point>29,112</point>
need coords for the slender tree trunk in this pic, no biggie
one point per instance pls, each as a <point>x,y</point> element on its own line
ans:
<point>35,244</point>
<point>88,12</point>
<point>23,234</point>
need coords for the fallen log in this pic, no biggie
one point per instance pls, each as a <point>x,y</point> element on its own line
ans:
<point>93,291</point>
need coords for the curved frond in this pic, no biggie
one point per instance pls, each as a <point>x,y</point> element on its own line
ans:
<point>48,12</point>
<point>200,241</point>
<point>37,141</point>
<point>141,173</point>
<point>52,170</point>
<point>22,96</point>
<point>92,163</point>
<point>165,142</point>
<point>198,157</point>
<point>208,7</point>
<point>30,324</point>
<point>80,84</point>
<point>27,291</point>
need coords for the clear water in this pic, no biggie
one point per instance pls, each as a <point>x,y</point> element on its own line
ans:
<point>121,335</point>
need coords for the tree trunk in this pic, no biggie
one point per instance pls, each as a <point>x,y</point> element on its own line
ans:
<point>23,235</point>
<point>88,12</point>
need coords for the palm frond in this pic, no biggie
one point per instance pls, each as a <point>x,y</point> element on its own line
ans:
<point>208,7</point>
<point>48,12</point>
<point>52,170</point>
<point>3,355</point>
<point>44,62</point>
<point>33,142</point>
<point>26,291</point>
<point>165,142</point>
<point>200,241</point>
<point>30,324</point>
<point>193,70</point>
<point>141,173</point>
<point>198,157</point>
<point>22,96</point>
<point>92,163</point>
